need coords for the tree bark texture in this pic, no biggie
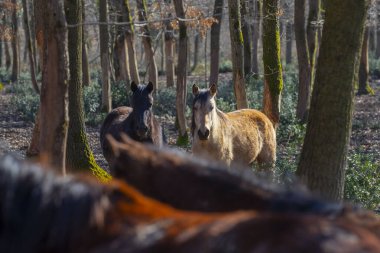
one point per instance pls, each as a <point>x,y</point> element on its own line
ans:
<point>312,34</point>
<point>237,46</point>
<point>289,43</point>
<point>364,87</point>
<point>304,69</point>
<point>215,42</point>
<point>246,31</point>
<point>39,30</point>
<point>169,52</point>
<point>54,96</point>
<point>79,155</point>
<point>148,45</point>
<point>85,66</point>
<point>15,48</point>
<point>196,52</point>
<point>324,153</point>
<point>130,40</point>
<point>104,56</point>
<point>181,74</point>
<point>377,52</point>
<point>273,81</point>
<point>256,26</point>
<point>29,47</point>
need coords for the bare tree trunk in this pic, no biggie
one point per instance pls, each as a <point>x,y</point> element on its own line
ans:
<point>377,52</point>
<point>237,45</point>
<point>255,9</point>
<point>196,52</point>
<point>183,137</point>
<point>79,155</point>
<point>289,42</point>
<point>54,96</point>
<point>215,42</point>
<point>312,34</point>
<point>1,55</point>
<point>364,87</point>
<point>273,82</point>
<point>15,51</point>
<point>304,70</point>
<point>32,29</point>
<point>29,47</point>
<point>148,46</point>
<point>372,38</point>
<point>85,66</point>
<point>169,53</point>
<point>246,32</point>
<point>39,28</point>
<point>130,40</point>
<point>104,55</point>
<point>324,154</point>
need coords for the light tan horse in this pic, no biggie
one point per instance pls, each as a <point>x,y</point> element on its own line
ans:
<point>239,137</point>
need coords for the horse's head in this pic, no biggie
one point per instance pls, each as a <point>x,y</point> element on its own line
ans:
<point>141,102</point>
<point>204,109</point>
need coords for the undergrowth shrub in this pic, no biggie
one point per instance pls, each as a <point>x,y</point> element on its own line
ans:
<point>25,100</point>
<point>363,180</point>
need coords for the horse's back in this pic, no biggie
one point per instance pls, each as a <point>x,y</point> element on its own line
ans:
<point>254,136</point>
<point>113,124</point>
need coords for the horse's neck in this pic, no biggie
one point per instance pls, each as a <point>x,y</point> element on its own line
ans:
<point>217,128</point>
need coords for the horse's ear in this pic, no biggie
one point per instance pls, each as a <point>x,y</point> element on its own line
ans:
<point>133,86</point>
<point>195,89</point>
<point>150,87</point>
<point>213,89</point>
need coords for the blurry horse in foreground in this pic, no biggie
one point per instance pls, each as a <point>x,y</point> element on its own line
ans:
<point>238,137</point>
<point>136,121</point>
<point>41,212</point>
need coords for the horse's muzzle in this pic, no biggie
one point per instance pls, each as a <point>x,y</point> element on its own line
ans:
<point>204,136</point>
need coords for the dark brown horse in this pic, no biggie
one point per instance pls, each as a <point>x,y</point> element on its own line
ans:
<point>41,212</point>
<point>137,121</point>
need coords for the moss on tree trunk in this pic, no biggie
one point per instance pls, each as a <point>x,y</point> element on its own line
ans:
<point>273,82</point>
<point>324,154</point>
<point>79,155</point>
<point>237,46</point>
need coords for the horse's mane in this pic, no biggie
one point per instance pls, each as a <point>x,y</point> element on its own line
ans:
<point>45,212</point>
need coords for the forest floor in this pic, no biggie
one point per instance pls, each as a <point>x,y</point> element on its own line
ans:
<point>15,134</point>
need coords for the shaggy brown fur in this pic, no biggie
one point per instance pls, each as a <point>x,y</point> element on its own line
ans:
<point>40,212</point>
<point>239,137</point>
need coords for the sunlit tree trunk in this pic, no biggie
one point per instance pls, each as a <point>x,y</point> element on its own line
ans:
<point>169,52</point>
<point>104,55</point>
<point>364,87</point>
<point>237,46</point>
<point>246,31</point>
<point>15,49</point>
<point>196,52</point>
<point>54,96</point>
<point>148,45</point>
<point>215,42</point>
<point>29,46</point>
<point>130,40</point>
<point>304,70</point>
<point>183,138</point>
<point>256,10</point>
<point>377,52</point>
<point>324,154</point>
<point>273,82</point>
<point>85,67</point>
<point>312,34</point>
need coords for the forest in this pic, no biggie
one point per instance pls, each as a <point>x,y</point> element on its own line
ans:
<point>218,115</point>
